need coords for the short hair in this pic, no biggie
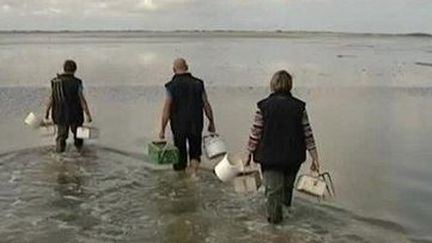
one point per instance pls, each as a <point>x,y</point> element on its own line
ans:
<point>70,66</point>
<point>281,82</point>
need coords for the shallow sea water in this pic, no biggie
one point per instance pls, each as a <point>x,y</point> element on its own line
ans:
<point>368,102</point>
<point>110,196</point>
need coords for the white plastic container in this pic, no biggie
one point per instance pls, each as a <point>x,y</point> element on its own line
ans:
<point>312,185</point>
<point>47,130</point>
<point>87,132</point>
<point>33,120</point>
<point>247,182</point>
<point>214,145</point>
<point>228,168</point>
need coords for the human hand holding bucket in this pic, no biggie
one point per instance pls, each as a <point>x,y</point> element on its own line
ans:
<point>214,145</point>
<point>47,123</point>
<point>247,158</point>
<point>316,184</point>
<point>33,120</point>
<point>159,142</point>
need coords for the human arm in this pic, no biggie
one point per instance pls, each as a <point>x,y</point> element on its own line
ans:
<point>209,113</point>
<point>85,107</point>
<point>166,111</point>
<point>49,103</point>
<point>310,142</point>
<point>48,108</point>
<point>255,136</point>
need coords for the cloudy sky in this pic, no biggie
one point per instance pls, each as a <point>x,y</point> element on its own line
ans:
<point>382,16</point>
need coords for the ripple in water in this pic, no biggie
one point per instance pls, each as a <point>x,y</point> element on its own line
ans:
<point>110,196</point>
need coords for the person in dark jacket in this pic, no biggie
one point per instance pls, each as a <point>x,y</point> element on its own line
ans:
<point>67,105</point>
<point>279,138</point>
<point>185,104</point>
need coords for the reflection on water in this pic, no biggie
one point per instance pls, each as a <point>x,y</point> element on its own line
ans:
<point>113,197</point>
<point>145,59</point>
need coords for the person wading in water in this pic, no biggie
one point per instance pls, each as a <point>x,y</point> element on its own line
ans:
<point>67,105</point>
<point>279,138</point>
<point>185,102</point>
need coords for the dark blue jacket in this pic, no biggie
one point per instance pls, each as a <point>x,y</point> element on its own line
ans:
<point>282,144</point>
<point>186,115</point>
<point>66,102</point>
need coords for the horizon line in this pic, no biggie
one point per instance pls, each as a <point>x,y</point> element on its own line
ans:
<point>275,31</point>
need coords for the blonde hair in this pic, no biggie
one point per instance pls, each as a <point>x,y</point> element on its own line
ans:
<point>281,82</point>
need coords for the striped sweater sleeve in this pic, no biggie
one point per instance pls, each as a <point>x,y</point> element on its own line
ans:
<point>256,132</point>
<point>307,129</point>
<point>257,129</point>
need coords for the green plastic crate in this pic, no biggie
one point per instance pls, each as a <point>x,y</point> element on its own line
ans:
<point>163,153</point>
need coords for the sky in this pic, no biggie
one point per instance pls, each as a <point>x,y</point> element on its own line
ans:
<point>370,16</point>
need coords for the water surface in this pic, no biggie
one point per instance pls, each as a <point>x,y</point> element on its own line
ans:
<point>367,98</point>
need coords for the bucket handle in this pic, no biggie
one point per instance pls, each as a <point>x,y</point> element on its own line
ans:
<point>47,127</point>
<point>244,172</point>
<point>326,177</point>
<point>164,148</point>
<point>89,127</point>
<point>331,190</point>
<point>211,135</point>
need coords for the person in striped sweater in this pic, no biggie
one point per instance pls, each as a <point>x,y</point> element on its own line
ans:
<point>280,135</point>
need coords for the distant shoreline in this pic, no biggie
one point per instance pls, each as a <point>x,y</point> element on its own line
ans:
<point>239,33</point>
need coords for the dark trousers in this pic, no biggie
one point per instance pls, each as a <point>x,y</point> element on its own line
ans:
<point>63,134</point>
<point>182,141</point>
<point>279,185</point>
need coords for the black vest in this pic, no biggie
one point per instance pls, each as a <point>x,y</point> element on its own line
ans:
<point>186,115</point>
<point>282,144</point>
<point>66,109</point>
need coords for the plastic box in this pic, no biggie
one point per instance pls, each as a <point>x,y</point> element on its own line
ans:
<point>247,182</point>
<point>163,153</point>
<point>87,132</point>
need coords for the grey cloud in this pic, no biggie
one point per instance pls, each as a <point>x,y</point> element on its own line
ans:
<point>104,7</point>
<point>327,15</point>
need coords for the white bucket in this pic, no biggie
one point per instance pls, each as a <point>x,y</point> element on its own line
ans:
<point>87,132</point>
<point>228,168</point>
<point>48,130</point>
<point>247,182</point>
<point>312,185</point>
<point>214,145</point>
<point>33,121</point>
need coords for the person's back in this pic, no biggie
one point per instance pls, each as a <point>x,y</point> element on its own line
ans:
<point>279,137</point>
<point>184,104</point>
<point>187,111</point>
<point>66,103</point>
<point>283,140</point>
